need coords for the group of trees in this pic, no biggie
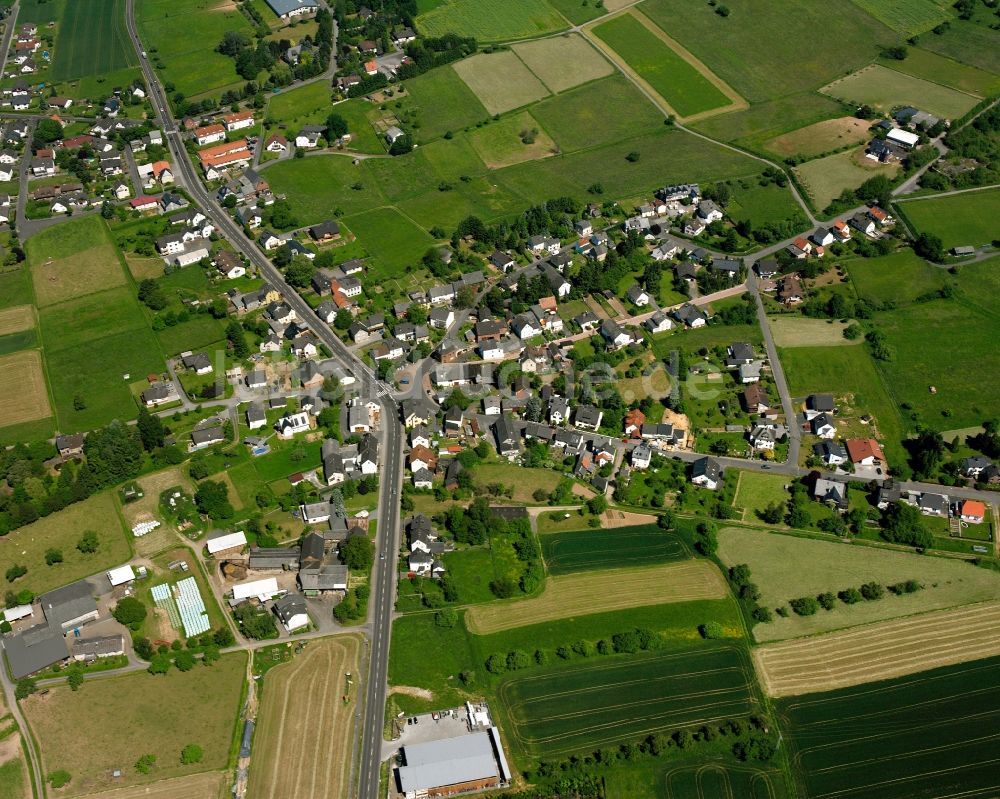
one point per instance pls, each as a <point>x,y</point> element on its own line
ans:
<point>627,642</point>
<point>254,55</point>
<point>869,592</point>
<point>256,623</point>
<point>747,593</point>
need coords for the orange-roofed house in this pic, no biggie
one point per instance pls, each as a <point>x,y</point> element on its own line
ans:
<point>548,304</point>
<point>864,451</point>
<point>371,67</point>
<point>800,248</point>
<point>634,420</point>
<point>972,511</point>
<point>209,134</point>
<point>238,121</point>
<point>841,230</point>
<point>162,172</point>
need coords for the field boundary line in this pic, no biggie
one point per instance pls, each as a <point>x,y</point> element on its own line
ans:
<point>931,80</point>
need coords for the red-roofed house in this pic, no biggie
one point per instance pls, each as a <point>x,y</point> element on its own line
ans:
<point>144,204</point>
<point>841,230</point>
<point>864,451</point>
<point>972,511</point>
<point>209,134</point>
<point>800,248</point>
<point>371,67</point>
<point>238,121</point>
<point>634,420</point>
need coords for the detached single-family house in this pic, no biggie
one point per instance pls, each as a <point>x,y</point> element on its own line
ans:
<point>706,472</point>
<point>864,451</point>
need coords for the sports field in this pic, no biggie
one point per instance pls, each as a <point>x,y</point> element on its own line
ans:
<point>126,717</point>
<point>678,82</point>
<point>512,140</point>
<point>16,319</point>
<point>72,259</point>
<point>25,399</point>
<point>490,20</point>
<point>820,137</point>
<point>92,40</point>
<point>560,711</point>
<point>61,530</point>
<point>755,47</point>
<point>612,589</point>
<point>190,62</point>
<point>961,219</point>
<point>301,698</point>
<point>583,550</point>
<point>938,69</point>
<point>826,178</point>
<point>909,17</point>
<point>785,567</point>
<point>500,80</point>
<point>884,88</point>
<point>563,62</point>
<point>930,735</point>
<point>801,331</point>
<point>880,651</point>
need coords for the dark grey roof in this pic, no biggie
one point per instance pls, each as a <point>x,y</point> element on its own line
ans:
<point>289,606</point>
<point>68,603</point>
<point>34,649</point>
<point>706,467</point>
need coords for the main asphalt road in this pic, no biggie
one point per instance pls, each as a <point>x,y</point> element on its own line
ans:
<point>382,598</point>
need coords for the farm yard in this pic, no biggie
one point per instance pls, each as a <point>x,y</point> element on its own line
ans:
<point>490,20</point>
<point>820,137</point>
<point>584,550</point>
<point>884,88</point>
<point>785,567</point>
<point>681,85</point>
<point>932,734</point>
<point>558,711</point>
<point>573,594</point>
<point>92,40</point>
<point>27,545</point>
<point>301,697</point>
<point>136,714</point>
<point>961,219</point>
<point>563,62</point>
<point>879,651</point>
<point>826,178</point>
<point>191,62</point>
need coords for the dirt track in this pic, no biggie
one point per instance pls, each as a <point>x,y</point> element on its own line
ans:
<point>302,743</point>
<point>600,592</point>
<point>880,651</point>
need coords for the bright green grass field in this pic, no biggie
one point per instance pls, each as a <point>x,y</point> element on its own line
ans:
<point>190,61</point>
<point>686,90</point>
<point>826,178</point>
<point>392,239</point>
<point>490,20</point>
<point>12,779</point>
<point>972,218</point>
<point>576,12</point>
<point>584,550</point>
<point>770,50</point>
<point>884,89</point>
<point>843,370</point>
<point>936,68</point>
<point>763,121</point>
<point>764,204</point>
<point>653,779</point>
<point>965,371</point>
<point>605,111</point>
<point>301,105</point>
<point>900,277</point>
<point>15,287</point>
<point>872,740</point>
<point>756,490</point>
<point>909,17</point>
<point>92,40</point>
<point>40,11</point>
<point>442,102</point>
<point>971,43</point>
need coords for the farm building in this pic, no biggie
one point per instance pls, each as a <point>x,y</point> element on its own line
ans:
<point>265,588</point>
<point>222,542</point>
<point>105,646</point>
<point>121,575</point>
<point>35,649</point>
<point>69,606</point>
<point>291,610</point>
<point>452,765</point>
<point>903,138</point>
<point>286,9</point>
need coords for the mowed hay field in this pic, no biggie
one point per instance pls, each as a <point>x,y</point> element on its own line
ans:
<point>25,398</point>
<point>884,88</point>
<point>209,785</point>
<point>501,81</point>
<point>939,69</point>
<point>114,721</point>
<point>682,86</point>
<point>564,710</point>
<point>92,40</point>
<point>972,218</point>
<point>503,143</point>
<point>785,567</point>
<point>826,178</point>
<point>820,137</point>
<point>16,319</point>
<point>61,530</point>
<point>563,62</point>
<point>801,331</point>
<point>613,589</point>
<point>72,259</point>
<point>909,17</point>
<point>302,744</point>
<point>880,651</point>
<point>584,550</point>
<point>929,735</point>
<point>490,20</point>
